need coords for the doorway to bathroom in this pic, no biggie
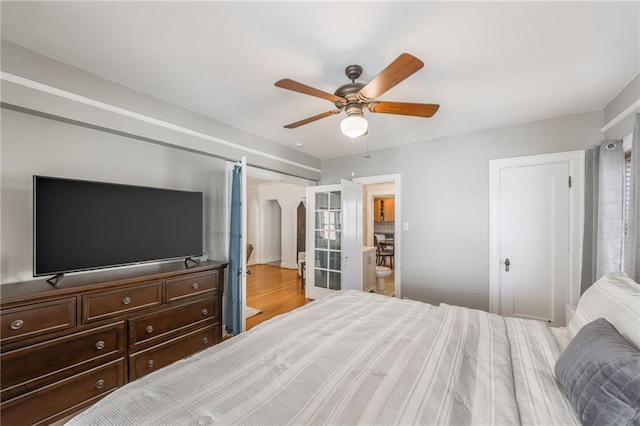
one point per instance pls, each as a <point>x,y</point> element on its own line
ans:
<point>382,229</point>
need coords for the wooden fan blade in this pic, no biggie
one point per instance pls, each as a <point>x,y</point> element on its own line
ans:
<point>311,119</point>
<point>404,108</point>
<point>404,66</point>
<point>289,84</point>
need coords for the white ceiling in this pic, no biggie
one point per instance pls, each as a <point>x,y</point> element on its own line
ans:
<point>487,64</point>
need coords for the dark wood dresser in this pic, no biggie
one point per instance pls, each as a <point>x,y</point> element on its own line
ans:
<point>64,348</point>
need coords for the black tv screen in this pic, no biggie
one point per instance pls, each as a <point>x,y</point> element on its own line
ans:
<point>82,225</point>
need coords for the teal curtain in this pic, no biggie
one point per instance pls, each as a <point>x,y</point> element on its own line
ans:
<point>234,302</point>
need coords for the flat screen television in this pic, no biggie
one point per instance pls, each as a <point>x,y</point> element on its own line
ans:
<point>82,225</point>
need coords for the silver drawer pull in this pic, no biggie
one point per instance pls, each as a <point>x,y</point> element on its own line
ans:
<point>100,384</point>
<point>149,329</point>
<point>194,286</point>
<point>150,363</point>
<point>205,312</point>
<point>17,324</point>
<point>205,340</point>
<point>126,300</point>
<point>100,345</point>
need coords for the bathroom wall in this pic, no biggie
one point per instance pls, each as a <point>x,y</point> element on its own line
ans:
<point>383,227</point>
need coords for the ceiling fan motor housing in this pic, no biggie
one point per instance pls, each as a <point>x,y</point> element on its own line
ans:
<point>349,92</point>
<point>354,109</point>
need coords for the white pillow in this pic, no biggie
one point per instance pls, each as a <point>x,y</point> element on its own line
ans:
<point>614,297</point>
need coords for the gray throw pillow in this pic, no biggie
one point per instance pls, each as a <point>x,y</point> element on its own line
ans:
<point>600,373</point>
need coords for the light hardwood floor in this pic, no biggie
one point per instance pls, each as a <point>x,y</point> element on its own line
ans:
<point>274,291</point>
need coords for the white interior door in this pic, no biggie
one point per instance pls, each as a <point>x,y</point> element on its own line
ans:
<point>334,239</point>
<point>534,241</point>
<point>352,226</point>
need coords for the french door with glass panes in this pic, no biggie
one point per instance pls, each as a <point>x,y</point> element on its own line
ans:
<point>334,238</point>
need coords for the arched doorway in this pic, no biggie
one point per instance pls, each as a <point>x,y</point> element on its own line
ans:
<point>301,224</point>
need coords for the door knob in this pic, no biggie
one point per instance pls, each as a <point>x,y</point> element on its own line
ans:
<point>506,264</point>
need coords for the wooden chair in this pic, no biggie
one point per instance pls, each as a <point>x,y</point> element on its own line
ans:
<point>302,267</point>
<point>384,252</point>
<point>249,251</point>
<point>377,238</point>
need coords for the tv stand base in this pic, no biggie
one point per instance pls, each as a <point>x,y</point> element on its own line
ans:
<point>194,260</point>
<point>56,280</point>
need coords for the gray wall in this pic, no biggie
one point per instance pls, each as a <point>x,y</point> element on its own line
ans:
<point>111,106</point>
<point>445,200</point>
<point>622,101</point>
<point>34,145</point>
<point>48,134</point>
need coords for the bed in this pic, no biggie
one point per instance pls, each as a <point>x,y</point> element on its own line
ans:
<point>362,358</point>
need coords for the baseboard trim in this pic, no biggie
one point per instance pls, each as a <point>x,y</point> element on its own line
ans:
<point>289,265</point>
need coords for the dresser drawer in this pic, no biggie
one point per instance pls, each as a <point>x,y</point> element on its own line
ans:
<point>37,318</point>
<point>97,306</point>
<point>152,359</point>
<point>179,288</point>
<point>37,365</point>
<point>149,327</point>
<point>64,397</point>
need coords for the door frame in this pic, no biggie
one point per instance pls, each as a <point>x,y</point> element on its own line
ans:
<point>397,244</point>
<point>576,162</point>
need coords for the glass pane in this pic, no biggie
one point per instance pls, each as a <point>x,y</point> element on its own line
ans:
<point>335,219</point>
<point>322,201</point>
<point>321,278</point>
<point>322,239</point>
<point>335,240</point>
<point>321,259</point>
<point>322,220</point>
<point>334,260</point>
<point>334,280</point>
<point>336,203</point>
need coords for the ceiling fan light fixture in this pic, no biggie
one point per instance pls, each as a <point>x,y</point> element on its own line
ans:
<point>354,126</point>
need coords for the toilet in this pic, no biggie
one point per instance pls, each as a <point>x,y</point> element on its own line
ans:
<point>382,272</point>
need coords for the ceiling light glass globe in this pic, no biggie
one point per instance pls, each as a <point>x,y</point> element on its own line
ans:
<point>354,126</point>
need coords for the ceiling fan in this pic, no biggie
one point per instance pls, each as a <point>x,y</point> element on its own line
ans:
<point>353,97</point>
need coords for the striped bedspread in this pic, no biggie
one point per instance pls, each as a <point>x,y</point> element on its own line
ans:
<point>357,358</point>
